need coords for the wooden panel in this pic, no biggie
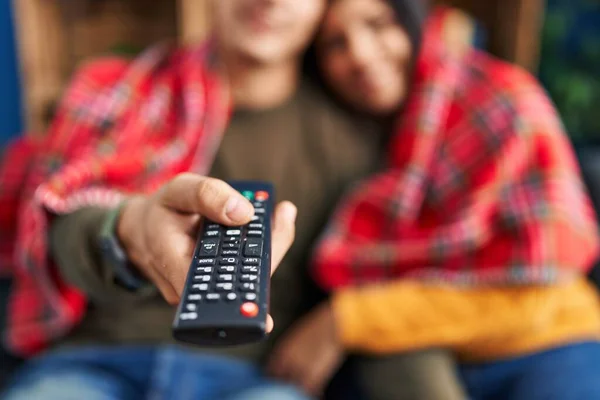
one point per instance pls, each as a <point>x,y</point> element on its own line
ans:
<point>95,28</point>
<point>513,26</point>
<point>54,36</point>
<point>42,54</point>
<point>194,20</point>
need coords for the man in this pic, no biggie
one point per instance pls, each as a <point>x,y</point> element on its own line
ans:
<point>280,131</point>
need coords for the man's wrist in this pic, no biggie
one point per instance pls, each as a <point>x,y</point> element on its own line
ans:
<point>114,253</point>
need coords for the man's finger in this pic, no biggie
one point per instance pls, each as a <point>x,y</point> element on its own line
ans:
<point>284,230</point>
<point>211,198</point>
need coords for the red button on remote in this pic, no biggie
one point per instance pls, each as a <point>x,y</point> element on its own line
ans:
<point>261,195</point>
<point>249,310</point>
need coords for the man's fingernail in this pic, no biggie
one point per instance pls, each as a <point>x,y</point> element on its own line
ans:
<point>237,209</point>
<point>290,212</point>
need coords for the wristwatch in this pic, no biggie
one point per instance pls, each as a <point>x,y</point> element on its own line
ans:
<point>114,255</point>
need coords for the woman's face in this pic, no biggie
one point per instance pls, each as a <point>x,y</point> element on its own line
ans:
<point>365,55</point>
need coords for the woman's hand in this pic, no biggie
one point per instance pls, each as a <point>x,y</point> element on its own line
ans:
<point>310,354</point>
<point>158,232</point>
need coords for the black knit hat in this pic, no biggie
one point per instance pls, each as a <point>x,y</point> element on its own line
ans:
<point>411,15</point>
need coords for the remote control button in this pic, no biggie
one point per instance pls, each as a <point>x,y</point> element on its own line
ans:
<point>210,247</point>
<point>253,247</point>
<point>259,211</point>
<point>250,296</point>
<point>211,234</point>
<point>249,310</point>
<point>224,287</point>
<point>213,227</point>
<point>262,195</point>
<point>204,270</point>
<point>258,204</point>
<point>248,287</point>
<point>257,219</point>
<point>188,316</point>
<point>251,261</point>
<point>248,194</point>
<point>248,278</point>
<point>226,278</point>
<point>195,297</point>
<point>231,296</point>
<point>228,260</point>
<point>231,238</point>
<point>200,287</point>
<point>233,232</point>
<point>202,278</point>
<point>213,297</point>
<point>190,307</point>
<point>255,226</point>
<point>231,246</point>
<point>227,269</point>
<point>230,253</point>
<point>253,269</point>
<point>255,233</point>
<point>206,261</point>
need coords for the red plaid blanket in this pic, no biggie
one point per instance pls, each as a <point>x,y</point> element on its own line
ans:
<point>482,186</point>
<point>122,127</point>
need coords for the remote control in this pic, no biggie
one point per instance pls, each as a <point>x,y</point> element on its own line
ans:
<point>226,296</point>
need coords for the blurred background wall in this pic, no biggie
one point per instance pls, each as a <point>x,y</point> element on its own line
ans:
<point>10,88</point>
<point>558,40</point>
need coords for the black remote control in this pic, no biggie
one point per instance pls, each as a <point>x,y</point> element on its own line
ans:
<point>226,296</point>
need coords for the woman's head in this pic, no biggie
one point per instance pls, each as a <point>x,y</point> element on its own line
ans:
<point>365,51</point>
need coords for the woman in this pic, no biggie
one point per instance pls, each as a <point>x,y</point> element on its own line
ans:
<point>477,236</point>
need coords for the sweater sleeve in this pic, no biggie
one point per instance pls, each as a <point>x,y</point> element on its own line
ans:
<point>74,243</point>
<point>407,316</point>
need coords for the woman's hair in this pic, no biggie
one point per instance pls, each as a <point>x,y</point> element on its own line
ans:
<point>410,14</point>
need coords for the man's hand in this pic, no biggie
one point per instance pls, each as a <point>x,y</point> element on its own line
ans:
<point>310,354</point>
<point>158,232</point>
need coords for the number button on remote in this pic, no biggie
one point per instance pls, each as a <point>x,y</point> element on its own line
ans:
<point>248,287</point>
<point>252,269</point>
<point>227,269</point>
<point>248,278</point>
<point>213,297</point>
<point>231,296</point>
<point>200,287</point>
<point>224,287</point>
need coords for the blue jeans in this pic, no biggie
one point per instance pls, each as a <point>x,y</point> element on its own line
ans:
<point>143,373</point>
<point>566,373</point>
